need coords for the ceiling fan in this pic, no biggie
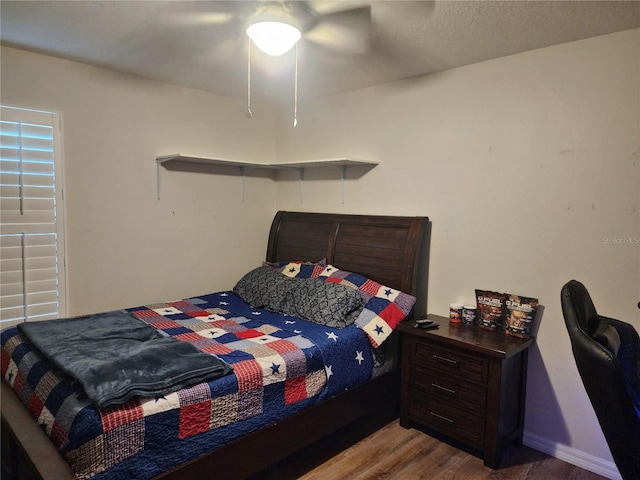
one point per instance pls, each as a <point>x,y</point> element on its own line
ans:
<point>275,27</point>
<point>339,26</point>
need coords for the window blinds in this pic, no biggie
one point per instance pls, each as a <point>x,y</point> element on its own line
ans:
<point>31,240</point>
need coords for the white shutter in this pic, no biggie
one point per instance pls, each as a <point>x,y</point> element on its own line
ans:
<point>31,221</point>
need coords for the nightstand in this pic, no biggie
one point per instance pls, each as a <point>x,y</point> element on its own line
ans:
<point>464,384</point>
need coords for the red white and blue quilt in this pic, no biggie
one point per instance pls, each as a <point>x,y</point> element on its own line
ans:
<point>281,365</point>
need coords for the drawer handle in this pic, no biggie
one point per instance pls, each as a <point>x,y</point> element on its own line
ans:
<point>443,389</point>
<point>448,361</point>
<point>440,417</point>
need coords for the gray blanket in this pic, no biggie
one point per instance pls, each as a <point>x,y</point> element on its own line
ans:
<point>115,356</point>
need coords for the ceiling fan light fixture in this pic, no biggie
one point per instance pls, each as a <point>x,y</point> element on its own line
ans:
<point>275,38</point>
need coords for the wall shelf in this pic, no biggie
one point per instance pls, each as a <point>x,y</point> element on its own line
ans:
<point>339,163</point>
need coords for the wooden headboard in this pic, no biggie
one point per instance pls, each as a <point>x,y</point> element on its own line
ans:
<point>392,250</point>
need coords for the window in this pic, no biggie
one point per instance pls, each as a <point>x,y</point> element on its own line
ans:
<point>31,216</point>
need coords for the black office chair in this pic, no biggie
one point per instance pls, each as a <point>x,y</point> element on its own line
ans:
<point>607,354</point>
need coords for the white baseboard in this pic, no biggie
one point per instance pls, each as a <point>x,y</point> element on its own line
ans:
<point>572,456</point>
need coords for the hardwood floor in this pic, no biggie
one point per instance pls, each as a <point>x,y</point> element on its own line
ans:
<point>396,453</point>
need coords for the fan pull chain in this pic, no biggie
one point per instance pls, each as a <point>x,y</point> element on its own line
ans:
<point>295,93</point>
<point>249,114</point>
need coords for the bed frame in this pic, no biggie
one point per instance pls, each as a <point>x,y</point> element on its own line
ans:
<point>390,249</point>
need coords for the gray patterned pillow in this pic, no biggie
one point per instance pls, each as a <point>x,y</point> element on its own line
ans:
<point>263,287</point>
<point>321,302</point>
<point>324,303</point>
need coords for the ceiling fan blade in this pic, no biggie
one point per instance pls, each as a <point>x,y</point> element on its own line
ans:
<point>324,7</point>
<point>193,13</point>
<point>345,31</point>
<point>187,19</point>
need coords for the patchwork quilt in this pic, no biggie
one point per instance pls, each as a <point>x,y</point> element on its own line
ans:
<point>281,365</point>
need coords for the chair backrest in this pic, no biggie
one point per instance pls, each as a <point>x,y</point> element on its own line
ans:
<point>603,375</point>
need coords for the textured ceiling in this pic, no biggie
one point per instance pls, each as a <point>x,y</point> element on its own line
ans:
<point>202,44</point>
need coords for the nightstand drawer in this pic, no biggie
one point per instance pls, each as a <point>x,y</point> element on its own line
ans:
<point>463,395</point>
<point>448,419</point>
<point>451,362</point>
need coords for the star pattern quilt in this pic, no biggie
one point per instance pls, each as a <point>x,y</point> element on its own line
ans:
<point>281,365</point>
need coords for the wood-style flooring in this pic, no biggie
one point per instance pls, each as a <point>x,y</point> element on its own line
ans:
<point>396,453</point>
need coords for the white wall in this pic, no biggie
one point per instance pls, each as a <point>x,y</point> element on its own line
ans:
<point>125,247</point>
<point>524,165</point>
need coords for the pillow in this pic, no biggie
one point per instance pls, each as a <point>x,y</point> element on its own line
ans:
<point>298,269</point>
<point>384,307</point>
<point>329,304</point>
<point>263,287</point>
<point>312,299</point>
<point>278,265</point>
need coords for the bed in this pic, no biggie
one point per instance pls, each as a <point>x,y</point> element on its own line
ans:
<point>389,251</point>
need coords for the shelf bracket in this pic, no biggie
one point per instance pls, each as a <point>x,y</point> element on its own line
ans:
<point>158,179</point>
<point>343,171</point>
<point>242,172</point>
<point>301,173</point>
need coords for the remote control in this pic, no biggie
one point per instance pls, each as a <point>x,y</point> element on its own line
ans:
<point>429,326</point>
<point>423,323</point>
